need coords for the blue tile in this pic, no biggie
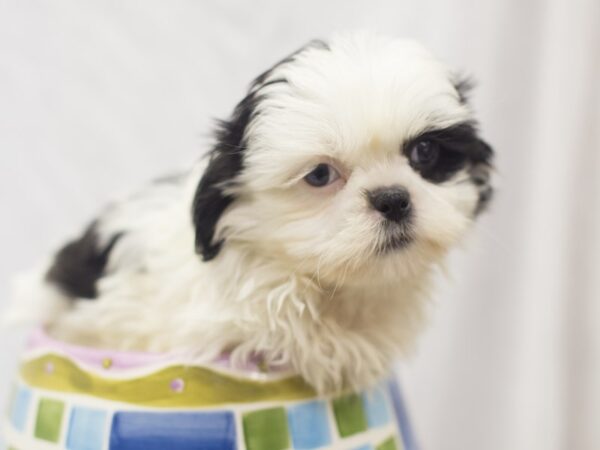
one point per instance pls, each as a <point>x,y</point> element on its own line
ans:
<point>376,406</point>
<point>20,408</point>
<point>402,418</point>
<point>309,425</point>
<point>173,431</point>
<point>86,429</point>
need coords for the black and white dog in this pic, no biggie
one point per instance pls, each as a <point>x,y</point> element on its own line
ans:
<point>309,234</point>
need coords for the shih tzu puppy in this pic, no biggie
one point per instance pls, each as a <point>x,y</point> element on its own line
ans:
<point>307,237</point>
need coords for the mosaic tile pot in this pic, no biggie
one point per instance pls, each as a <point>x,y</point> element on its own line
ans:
<point>69,397</point>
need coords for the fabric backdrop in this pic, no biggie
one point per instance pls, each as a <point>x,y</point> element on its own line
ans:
<point>98,97</point>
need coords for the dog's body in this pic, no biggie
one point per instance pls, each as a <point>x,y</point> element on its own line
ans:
<point>308,237</point>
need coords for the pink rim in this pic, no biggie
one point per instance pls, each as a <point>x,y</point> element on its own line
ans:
<point>115,360</point>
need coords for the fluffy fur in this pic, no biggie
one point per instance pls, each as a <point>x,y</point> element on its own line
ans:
<point>242,255</point>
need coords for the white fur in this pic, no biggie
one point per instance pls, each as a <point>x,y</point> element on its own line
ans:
<point>298,280</point>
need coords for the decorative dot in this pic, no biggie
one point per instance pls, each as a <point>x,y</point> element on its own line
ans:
<point>263,367</point>
<point>49,368</point>
<point>177,385</point>
<point>107,363</point>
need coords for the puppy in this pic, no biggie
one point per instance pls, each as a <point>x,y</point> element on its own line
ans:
<point>306,238</point>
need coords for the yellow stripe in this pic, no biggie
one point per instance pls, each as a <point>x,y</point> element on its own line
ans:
<point>203,387</point>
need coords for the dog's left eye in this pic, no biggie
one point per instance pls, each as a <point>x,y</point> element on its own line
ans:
<point>424,154</point>
<point>322,175</point>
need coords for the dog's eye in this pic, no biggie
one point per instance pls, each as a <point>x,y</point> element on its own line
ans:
<point>322,175</point>
<point>424,154</point>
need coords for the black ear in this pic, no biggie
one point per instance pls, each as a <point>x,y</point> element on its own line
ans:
<point>481,154</point>
<point>226,162</point>
<point>480,174</point>
<point>463,85</point>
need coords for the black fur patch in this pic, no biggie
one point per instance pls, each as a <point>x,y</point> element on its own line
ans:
<point>79,264</point>
<point>459,147</point>
<point>481,166</point>
<point>480,177</point>
<point>226,162</point>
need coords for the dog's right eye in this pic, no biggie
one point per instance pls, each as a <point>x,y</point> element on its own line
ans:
<point>322,175</point>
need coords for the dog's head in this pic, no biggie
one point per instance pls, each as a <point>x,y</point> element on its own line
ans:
<point>356,158</point>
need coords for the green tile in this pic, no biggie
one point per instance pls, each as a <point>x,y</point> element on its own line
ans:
<point>266,429</point>
<point>388,444</point>
<point>349,415</point>
<point>49,419</point>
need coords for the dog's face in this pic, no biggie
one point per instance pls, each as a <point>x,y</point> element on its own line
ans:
<point>357,160</point>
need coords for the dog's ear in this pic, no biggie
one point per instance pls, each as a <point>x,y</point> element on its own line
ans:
<point>463,84</point>
<point>226,162</point>
<point>213,195</point>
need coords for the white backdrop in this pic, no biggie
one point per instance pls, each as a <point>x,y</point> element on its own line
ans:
<point>99,97</point>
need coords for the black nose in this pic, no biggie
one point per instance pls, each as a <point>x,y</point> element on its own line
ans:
<point>393,202</point>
